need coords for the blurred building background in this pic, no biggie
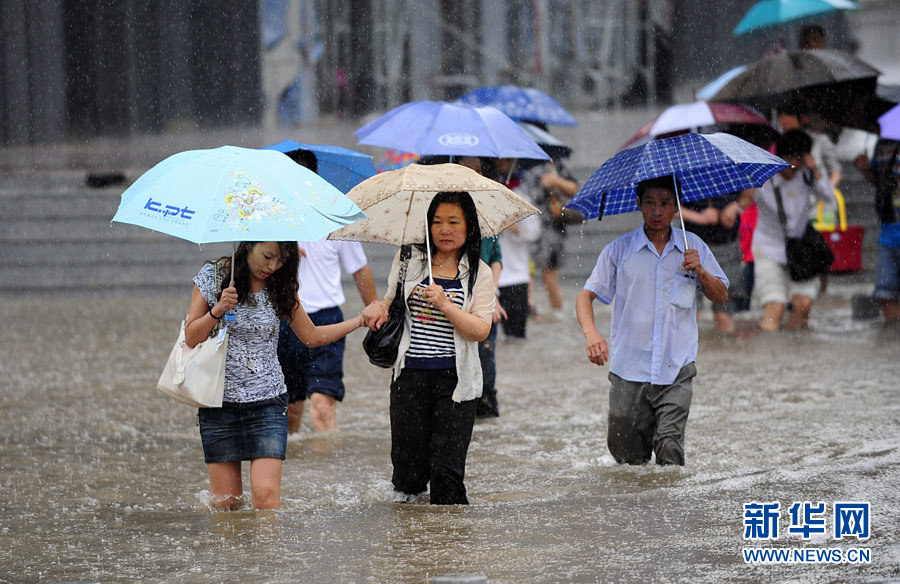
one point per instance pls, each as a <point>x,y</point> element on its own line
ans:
<point>79,68</point>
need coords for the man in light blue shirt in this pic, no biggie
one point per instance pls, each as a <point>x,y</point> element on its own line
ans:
<point>652,281</point>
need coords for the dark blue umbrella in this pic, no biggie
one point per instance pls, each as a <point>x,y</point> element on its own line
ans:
<point>706,165</point>
<point>523,104</point>
<point>342,167</point>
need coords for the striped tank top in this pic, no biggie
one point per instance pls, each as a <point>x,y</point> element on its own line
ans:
<point>431,335</point>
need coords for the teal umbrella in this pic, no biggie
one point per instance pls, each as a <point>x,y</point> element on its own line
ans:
<point>770,13</point>
<point>235,194</point>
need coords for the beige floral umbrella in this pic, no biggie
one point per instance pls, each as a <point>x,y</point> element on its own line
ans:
<point>397,201</point>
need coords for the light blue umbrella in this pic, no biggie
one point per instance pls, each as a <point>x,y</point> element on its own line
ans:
<point>523,104</point>
<point>438,128</point>
<point>713,87</point>
<point>235,194</point>
<point>770,13</point>
<point>342,167</point>
<point>706,165</point>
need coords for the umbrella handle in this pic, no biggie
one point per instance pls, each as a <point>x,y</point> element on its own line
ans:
<point>428,252</point>
<point>680,215</point>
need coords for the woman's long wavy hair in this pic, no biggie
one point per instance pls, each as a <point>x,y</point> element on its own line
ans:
<point>281,287</point>
<point>471,248</point>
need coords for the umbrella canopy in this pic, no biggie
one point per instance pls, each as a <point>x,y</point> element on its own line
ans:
<point>699,114</point>
<point>235,194</point>
<point>342,167</point>
<point>450,129</point>
<point>833,84</point>
<point>397,202</point>
<point>769,13</point>
<point>523,104</point>
<point>553,146</point>
<point>711,88</point>
<point>706,165</point>
<point>890,124</point>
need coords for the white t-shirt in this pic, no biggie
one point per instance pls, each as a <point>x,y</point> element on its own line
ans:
<point>768,236</point>
<point>516,250</point>
<point>320,271</point>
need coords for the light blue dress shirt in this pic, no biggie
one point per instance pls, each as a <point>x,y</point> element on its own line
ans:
<point>654,321</point>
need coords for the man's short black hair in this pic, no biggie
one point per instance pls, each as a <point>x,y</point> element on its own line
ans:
<point>793,143</point>
<point>304,157</point>
<point>661,182</point>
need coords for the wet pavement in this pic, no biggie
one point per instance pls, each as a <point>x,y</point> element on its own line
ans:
<point>103,478</point>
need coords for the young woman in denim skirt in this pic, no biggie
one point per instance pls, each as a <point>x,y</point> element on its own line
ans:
<point>252,422</point>
<point>437,376</point>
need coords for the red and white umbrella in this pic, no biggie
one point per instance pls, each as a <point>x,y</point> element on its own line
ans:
<point>692,116</point>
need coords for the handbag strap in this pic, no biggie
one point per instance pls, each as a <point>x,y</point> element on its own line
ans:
<point>219,282</point>
<point>782,216</point>
<point>405,255</point>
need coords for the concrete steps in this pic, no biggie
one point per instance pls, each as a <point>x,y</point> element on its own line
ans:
<point>57,237</point>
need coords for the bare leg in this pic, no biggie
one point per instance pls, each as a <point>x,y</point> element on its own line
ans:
<point>554,293</point>
<point>295,416</point>
<point>891,310</point>
<point>225,484</point>
<point>724,322</point>
<point>800,316</point>
<point>323,410</point>
<point>771,320</point>
<point>265,482</point>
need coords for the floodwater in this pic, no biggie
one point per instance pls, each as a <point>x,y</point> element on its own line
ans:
<point>103,478</point>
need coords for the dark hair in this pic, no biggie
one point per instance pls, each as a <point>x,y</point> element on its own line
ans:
<point>429,159</point>
<point>808,32</point>
<point>666,182</point>
<point>281,287</point>
<point>472,246</point>
<point>790,109</point>
<point>304,157</point>
<point>793,143</point>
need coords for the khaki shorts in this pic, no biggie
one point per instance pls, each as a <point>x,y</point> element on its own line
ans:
<point>773,284</point>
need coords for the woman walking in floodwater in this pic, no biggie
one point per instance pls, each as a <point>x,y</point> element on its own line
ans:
<point>252,422</point>
<point>437,375</point>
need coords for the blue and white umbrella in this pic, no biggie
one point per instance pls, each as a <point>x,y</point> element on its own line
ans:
<point>438,128</point>
<point>342,167</point>
<point>706,165</point>
<point>523,104</point>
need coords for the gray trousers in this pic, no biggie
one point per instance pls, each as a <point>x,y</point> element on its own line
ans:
<point>645,419</point>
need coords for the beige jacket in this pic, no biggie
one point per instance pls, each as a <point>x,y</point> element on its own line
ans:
<point>480,303</point>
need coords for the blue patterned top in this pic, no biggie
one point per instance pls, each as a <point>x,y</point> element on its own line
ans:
<point>252,370</point>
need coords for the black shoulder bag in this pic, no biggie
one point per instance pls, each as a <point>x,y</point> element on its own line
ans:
<point>382,345</point>
<point>808,255</point>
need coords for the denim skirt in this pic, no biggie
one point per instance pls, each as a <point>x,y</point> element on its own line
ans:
<point>244,431</point>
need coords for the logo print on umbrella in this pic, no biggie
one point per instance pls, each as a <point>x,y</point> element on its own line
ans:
<point>247,202</point>
<point>458,140</point>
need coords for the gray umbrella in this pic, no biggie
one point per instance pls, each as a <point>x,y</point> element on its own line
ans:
<point>836,85</point>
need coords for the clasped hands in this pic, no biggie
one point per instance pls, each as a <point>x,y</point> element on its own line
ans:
<point>376,313</point>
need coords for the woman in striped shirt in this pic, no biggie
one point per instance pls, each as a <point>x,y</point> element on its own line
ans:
<point>437,375</point>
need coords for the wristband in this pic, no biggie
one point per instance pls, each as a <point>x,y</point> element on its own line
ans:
<point>213,315</point>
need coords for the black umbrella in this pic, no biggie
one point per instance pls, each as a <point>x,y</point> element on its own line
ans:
<point>837,86</point>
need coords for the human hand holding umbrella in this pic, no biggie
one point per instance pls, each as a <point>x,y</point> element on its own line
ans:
<point>705,165</point>
<point>396,203</point>
<point>235,194</point>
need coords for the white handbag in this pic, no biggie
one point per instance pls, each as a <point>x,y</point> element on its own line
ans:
<point>196,376</point>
